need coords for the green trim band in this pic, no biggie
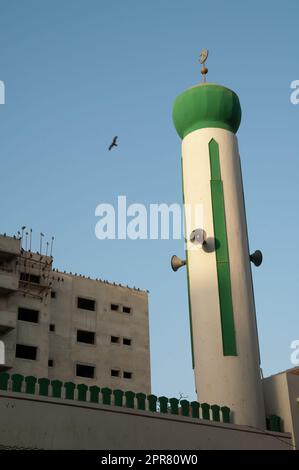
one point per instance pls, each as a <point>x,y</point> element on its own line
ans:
<point>222,255</point>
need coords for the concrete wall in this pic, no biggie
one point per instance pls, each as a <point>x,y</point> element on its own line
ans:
<point>66,351</point>
<point>293,385</point>
<point>66,425</point>
<point>61,346</point>
<point>9,247</point>
<point>282,399</point>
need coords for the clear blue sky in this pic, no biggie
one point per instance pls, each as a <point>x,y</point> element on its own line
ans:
<point>77,73</point>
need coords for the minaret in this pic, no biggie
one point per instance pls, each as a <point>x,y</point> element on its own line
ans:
<point>224,336</point>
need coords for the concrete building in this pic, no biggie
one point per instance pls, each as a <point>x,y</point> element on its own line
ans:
<point>69,327</point>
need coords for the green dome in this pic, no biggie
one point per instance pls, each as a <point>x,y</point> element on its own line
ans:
<point>206,105</point>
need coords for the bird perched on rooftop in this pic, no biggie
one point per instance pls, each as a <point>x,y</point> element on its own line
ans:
<point>113,144</point>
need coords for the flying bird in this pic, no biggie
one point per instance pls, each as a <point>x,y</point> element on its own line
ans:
<point>113,144</point>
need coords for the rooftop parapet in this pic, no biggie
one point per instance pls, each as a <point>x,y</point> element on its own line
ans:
<point>9,247</point>
<point>56,389</point>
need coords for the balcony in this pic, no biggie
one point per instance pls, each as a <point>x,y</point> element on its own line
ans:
<point>9,248</point>
<point>8,321</point>
<point>9,282</point>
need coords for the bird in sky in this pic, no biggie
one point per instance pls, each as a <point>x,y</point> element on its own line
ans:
<point>113,144</point>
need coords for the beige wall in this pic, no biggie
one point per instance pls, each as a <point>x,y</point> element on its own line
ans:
<point>293,385</point>
<point>68,425</point>
<point>282,399</point>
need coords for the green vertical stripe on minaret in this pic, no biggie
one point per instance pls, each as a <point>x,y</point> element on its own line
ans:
<point>188,280</point>
<point>222,255</point>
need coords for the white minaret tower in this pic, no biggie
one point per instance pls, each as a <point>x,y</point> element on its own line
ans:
<point>224,336</point>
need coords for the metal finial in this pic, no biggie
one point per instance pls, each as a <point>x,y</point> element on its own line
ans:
<point>202,60</point>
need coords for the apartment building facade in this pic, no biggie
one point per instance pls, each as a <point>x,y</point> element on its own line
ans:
<point>68,327</point>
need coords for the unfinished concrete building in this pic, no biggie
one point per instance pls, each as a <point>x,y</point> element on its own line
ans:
<point>69,327</point>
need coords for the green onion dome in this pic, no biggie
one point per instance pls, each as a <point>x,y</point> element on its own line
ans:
<point>206,105</point>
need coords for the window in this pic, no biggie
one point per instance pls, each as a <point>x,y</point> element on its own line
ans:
<point>50,363</point>
<point>115,339</point>
<point>85,371</point>
<point>52,327</point>
<point>26,352</point>
<point>127,309</point>
<point>86,304</point>
<point>127,341</point>
<point>53,294</point>
<point>127,375</point>
<point>30,278</point>
<point>114,307</point>
<point>115,373</point>
<point>27,314</point>
<point>85,337</point>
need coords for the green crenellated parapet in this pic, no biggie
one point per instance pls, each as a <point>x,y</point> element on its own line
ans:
<point>4,378</point>
<point>205,410</point>
<point>30,382</point>
<point>17,381</point>
<point>225,410</point>
<point>130,396</point>
<point>69,388</point>
<point>274,423</point>
<point>118,397</point>
<point>94,393</point>
<point>141,397</point>
<point>195,409</point>
<point>215,412</point>
<point>174,406</point>
<point>185,407</point>
<point>82,392</point>
<point>277,423</point>
<point>43,386</point>
<point>106,396</point>
<point>163,402</point>
<point>56,388</point>
<point>152,402</point>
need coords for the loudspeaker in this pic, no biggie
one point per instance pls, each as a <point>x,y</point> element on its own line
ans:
<point>177,263</point>
<point>257,258</point>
